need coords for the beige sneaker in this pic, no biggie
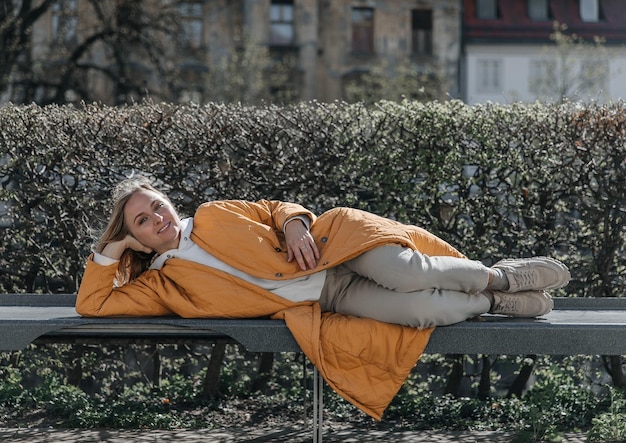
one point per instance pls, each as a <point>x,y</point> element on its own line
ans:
<point>522,304</point>
<point>534,274</point>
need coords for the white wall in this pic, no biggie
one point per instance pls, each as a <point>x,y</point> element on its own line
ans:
<point>514,74</point>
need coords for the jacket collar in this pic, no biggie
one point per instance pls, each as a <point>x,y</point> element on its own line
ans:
<point>184,244</point>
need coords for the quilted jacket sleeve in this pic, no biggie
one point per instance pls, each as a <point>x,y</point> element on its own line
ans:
<point>98,297</point>
<point>271,213</point>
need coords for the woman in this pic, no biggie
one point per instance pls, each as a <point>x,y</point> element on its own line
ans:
<point>239,259</point>
<point>145,232</point>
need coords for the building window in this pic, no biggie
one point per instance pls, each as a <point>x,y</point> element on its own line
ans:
<point>541,76</point>
<point>489,76</point>
<point>589,10</point>
<point>282,23</point>
<point>191,14</point>
<point>594,74</point>
<point>487,9</point>
<point>539,10</point>
<point>191,78</point>
<point>65,21</point>
<point>362,30</point>
<point>422,31</point>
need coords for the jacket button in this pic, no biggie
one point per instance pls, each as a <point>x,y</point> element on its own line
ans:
<point>325,263</point>
<point>278,274</point>
<point>324,239</point>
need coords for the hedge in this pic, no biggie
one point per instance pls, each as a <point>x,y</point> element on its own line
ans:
<point>494,180</point>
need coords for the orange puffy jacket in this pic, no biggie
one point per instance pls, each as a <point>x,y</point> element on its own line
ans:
<point>363,360</point>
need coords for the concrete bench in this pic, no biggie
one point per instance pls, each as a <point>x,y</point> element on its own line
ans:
<point>576,326</point>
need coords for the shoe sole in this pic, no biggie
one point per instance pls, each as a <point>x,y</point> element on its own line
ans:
<point>546,300</point>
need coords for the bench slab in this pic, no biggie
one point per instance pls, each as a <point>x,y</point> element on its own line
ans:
<point>576,326</point>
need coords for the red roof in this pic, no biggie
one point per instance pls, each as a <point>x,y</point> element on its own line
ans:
<point>514,25</point>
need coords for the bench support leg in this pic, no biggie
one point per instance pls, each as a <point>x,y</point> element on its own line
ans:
<point>318,405</point>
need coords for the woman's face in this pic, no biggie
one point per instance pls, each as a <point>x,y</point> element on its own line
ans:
<point>152,220</point>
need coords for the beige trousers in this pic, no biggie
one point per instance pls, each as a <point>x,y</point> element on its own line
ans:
<point>394,284</point>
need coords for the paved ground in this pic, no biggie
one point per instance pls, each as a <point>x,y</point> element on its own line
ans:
<point>253,435</point>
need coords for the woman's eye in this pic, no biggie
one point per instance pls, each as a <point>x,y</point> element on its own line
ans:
<point>142,220</point>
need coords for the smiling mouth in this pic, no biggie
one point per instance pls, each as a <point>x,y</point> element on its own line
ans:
<point>164,227</point>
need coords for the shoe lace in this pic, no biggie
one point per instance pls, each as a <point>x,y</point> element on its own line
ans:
<point>508,305</point>
<point>526,278</point>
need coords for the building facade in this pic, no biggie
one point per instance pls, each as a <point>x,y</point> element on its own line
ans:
<point>327,43</point>
<point>332,41</point>
<point>117,51</point>
<point>508,54</point>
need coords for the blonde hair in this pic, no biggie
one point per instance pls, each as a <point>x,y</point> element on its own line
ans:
<point>132,263</point>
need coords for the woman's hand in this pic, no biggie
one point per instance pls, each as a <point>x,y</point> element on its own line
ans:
<point>115,249</point>
<point>301,245</point>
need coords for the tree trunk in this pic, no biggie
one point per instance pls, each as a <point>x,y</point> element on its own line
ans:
<point>484,387</point>
<point>156,367</point>
<point>518,385</point>
<point>264,373</point>
<point>456,375</point>
<point>75,374</point>
<point>613,365</point>
<point>211,388</point>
